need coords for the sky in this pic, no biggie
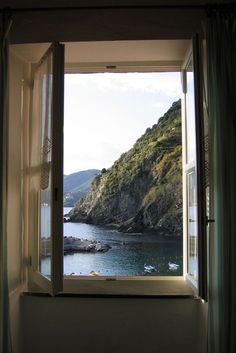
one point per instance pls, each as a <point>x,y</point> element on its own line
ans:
<point>105,113</point>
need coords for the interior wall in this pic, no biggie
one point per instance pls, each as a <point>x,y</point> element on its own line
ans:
<point>105,24</point>
<point>202,327</point>
<point>14,229</point>
<point>18,72</point>
<point>51,3</point>
<point>87,325</point>
<point>117,325</point>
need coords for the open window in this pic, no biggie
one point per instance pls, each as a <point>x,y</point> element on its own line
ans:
<point>46,172</point>
<point>46,183</point>
<point>194,202</point>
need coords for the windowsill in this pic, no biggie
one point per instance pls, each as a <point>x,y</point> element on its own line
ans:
<point>139,286</point>
<point>123,286</point>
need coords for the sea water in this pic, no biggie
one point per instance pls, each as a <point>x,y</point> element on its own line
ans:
<point>128,256</point>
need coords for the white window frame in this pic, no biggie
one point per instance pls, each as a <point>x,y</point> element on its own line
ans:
<point>195,53</point>
<point>101,285</point>
<point>54,284</point>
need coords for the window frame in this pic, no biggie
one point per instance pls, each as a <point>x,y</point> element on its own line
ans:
<point>195,54</point>
<point>112,285</point>
<point>121,285</point>
<point>36,279</point>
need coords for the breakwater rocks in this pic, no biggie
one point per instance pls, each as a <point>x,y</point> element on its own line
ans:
<point>75,245</point>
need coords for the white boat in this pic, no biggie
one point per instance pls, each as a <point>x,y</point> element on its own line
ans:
<point>149,268</point>
<point>173,266</point>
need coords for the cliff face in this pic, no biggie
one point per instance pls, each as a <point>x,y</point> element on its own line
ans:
<point>143,188</point>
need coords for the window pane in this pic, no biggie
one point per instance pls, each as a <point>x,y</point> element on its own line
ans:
<point>192,224</point>
<point>46,159</point>
<point>41,158</point>
<point>190,109</point>
<point>45,232</point>
<point>45,172</point>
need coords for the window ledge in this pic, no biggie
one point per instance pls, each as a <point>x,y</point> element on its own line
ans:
<point>123,286</point>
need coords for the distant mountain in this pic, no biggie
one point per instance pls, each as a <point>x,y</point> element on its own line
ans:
<point>143,188</point>
<point>76,185</point>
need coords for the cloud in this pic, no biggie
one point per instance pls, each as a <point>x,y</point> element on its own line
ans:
<point>106,113</point>
<point>167,84</point>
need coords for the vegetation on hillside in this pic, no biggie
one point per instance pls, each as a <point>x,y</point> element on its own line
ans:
<point>143,188</point>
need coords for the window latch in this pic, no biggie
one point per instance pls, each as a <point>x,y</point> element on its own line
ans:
<point>208,220</point>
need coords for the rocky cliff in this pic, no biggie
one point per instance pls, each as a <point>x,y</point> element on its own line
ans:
<point>143,188</point>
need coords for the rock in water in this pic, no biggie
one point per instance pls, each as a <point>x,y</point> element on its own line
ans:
<point>74,245</point>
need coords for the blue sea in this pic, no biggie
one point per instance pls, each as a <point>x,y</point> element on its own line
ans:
<point>128,256</point>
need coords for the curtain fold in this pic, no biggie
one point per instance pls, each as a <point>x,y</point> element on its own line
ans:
<point>221,44</point>
<point>5,341</point>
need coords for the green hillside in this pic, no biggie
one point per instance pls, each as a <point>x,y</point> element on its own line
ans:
<point>143,188</point>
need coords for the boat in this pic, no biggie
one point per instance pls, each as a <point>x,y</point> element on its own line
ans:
<point>173,266</point>
<point>149,268</point>
<point>93,273</point>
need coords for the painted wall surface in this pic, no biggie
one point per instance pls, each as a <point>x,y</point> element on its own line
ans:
<point>14,228</point>
<point>105,325</point>
<point>105,24</point>
<point>18,73</point>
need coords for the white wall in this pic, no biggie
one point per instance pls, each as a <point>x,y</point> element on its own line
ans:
<point>16,245</point>
<point>111,325</point>
<point>14,227</point>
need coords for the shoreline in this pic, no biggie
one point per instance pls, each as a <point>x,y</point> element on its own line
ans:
<point>161,232</point>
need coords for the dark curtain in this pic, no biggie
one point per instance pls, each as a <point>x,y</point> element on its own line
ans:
<point>221,52</point>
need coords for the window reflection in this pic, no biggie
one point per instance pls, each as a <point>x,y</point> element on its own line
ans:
<point>190,107</point>
<point>192,224</point>
<point>45,206</point>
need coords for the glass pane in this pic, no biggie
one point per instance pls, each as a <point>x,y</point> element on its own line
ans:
<point>192,224</point>
<point>45,172</point>
<point>190,111</point>
<point>44,178</point>
<point>45,232</point>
